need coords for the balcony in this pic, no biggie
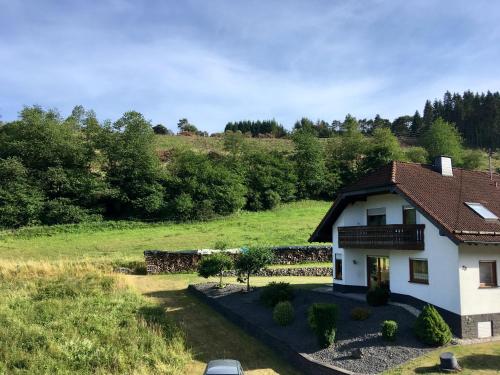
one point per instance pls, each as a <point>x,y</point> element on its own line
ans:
<point>397,237</point>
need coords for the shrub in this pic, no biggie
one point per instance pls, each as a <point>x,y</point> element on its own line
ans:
<point>389,330</point>
<point>251,261</point>
<point>274,292</point>
<point>378,296</point>
<point>431,328</point>
<point>215,265</point>
<point>322,319</point>
<point>283,313</point>
<point>360,313</point>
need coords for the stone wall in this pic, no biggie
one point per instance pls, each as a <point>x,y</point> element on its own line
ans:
<point>185,261</point>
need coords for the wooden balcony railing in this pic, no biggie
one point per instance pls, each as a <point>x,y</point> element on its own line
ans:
<point>397,236</point>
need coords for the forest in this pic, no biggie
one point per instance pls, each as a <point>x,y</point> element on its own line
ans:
<point>56,170</point>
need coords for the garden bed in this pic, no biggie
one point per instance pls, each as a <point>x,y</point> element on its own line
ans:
<point>377,354</point>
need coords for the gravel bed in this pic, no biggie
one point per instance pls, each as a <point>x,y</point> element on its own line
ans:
<point>377,355</point>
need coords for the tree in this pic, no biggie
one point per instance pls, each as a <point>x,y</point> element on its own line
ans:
<point>201,186</point>
<point>215,265</point>
<point>442,138</point>
<point>251,261</point>
<point>161,130</point>
<point>270,179</point>
<point>133,168</point>
<point>185,126</point>
<point>234,143</point>
<point>21,202</point>
<point>383,148</point>
<point>428,118</point>
<point>346,152</point>
<point>310,164</point>
<point>416,124</point>
<point>401,125</point>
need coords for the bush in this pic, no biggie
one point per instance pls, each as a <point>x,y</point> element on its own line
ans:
<point>378,296</point>
<point>273,293</point>
<point>322,319</point>
<point>389,330</point>
<point>283,313</point>
<point>431,328</point>
<point>360,313</point>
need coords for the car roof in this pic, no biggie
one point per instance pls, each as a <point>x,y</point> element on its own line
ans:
<point>223,366</point>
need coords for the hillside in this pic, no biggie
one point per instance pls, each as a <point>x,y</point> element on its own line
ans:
<point>289,224</point>
<point>207,144</point>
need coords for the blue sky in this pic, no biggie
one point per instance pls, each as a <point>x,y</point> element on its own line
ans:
<point>218,61</point>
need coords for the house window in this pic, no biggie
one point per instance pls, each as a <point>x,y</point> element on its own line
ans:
<point>338,266</point>
<point>409,215</point>
<point>375,216</point>
<point>487,273</point>
<point>419,271</point>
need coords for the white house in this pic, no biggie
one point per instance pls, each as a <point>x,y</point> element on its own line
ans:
<point>432,233</point>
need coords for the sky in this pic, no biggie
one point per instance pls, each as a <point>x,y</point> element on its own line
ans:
<point>215,61</point>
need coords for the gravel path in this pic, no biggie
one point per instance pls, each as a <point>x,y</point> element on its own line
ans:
<point>377,355</point>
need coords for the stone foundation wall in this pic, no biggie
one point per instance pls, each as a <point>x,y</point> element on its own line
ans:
<point>303,271</point>
<point>185,261</point>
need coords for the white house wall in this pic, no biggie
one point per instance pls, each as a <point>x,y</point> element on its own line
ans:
<point>440,251</point>
<point>475,300</point>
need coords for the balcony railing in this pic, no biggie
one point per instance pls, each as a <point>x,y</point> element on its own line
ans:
<point>397,236</point>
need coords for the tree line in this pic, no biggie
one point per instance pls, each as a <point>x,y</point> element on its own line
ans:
<point>476,116</point>
<point>56,170</point>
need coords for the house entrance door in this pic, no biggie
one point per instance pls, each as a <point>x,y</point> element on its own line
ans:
<point>377,271</point>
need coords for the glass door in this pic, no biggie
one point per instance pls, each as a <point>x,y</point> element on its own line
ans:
<point>377,271</point>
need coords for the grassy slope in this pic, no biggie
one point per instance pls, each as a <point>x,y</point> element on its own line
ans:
<point>290,224</point>
<point>73,319</point>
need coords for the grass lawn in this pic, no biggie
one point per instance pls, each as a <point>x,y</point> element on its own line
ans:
<point>480,359</point>
<point>208,334</point>
<point>290,224</point>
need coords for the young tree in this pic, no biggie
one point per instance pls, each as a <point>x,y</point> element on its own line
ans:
<point>442,138</point>
<point>215,265</point>
<point>251,261</point>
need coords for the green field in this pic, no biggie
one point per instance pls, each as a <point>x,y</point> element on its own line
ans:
<point>289,224</point>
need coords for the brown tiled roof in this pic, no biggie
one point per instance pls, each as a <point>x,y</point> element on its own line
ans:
<point>441,199</point>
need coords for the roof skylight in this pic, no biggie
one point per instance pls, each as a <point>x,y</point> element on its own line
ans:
<point>482,211</point>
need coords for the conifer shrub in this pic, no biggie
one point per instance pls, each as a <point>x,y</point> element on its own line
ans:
<point>274,292</point>
<point>322,319</point>
<point>431,328</point>
<point>389,330</point>
<point>283,313</point>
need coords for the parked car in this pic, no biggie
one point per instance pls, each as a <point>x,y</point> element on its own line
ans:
<point>224,367</point>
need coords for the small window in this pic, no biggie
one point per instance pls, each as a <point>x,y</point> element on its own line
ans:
<point>482,211</point>
<point>487,273</point>
<point>419,271</point>
<point>375,216</point>
<point>409,215</point>
<point>338,266</point>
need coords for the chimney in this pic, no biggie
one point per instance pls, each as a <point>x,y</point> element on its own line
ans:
<point>442,164</point>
